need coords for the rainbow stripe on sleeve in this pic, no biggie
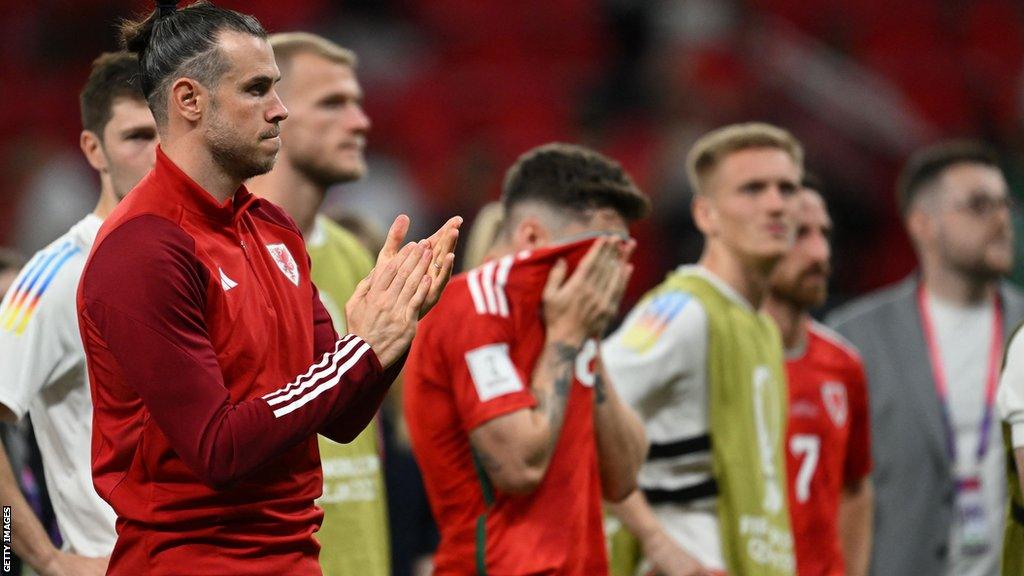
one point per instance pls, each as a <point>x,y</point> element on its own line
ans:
<point>656,316</point>
<point>31,284</point>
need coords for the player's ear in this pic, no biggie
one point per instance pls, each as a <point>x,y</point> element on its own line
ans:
<point>92,148</point>
<point>704,214</point>
<point>188,99</point>
<point>529,233</point>
<point>920,226</point>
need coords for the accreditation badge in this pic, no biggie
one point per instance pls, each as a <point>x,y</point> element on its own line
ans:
<point>973,522</point>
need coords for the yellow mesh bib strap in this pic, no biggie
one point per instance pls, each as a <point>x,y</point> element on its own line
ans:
<point>747,401</point>
<point>354,537</point>
<point>1013,536</point>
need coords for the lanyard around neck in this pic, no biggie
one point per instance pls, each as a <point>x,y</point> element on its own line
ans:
<point>939,374</point>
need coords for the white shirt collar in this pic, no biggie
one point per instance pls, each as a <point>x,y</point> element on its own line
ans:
<point>718,283</point>
<point>317,236</point>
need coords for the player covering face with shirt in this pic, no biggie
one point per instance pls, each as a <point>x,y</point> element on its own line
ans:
<point>517,429</point>
<point>576,308</point>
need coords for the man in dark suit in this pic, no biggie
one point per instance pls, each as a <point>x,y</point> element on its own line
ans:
<point>931,346</point>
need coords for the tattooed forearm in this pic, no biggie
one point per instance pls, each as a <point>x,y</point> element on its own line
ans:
<point>558,361</point>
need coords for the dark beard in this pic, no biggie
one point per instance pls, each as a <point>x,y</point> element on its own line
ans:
<point>981,271</point>
<point>977,267</point>
<point>795,293</point>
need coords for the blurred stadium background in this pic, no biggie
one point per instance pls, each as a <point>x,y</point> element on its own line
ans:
<point>458,88</point>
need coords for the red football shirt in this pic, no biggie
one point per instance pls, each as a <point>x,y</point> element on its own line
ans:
<point>828,445</point>
<point>471,362</point>
<point>213,364</point>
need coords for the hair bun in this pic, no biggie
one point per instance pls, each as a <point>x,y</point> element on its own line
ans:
<point>166,7</point>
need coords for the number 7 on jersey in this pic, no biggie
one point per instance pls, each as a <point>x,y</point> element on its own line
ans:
<point>808,446</point>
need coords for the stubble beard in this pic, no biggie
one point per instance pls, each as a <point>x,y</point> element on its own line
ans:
<point>982,270</point>
<point>234,158</point>
<point>979,266</point>
<point>231,154</point>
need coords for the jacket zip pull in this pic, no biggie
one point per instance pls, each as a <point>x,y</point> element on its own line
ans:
<point>241,242</point>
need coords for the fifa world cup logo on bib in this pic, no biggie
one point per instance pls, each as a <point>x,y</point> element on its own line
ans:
<point>767,421</point>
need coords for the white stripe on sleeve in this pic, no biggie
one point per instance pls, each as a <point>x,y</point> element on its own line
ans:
<point>311,395</point>
<point>488,283</point>
<point>473,279</point>
<point>504,266</point>
<point>341,349</point>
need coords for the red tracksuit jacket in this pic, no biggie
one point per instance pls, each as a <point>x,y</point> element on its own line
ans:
<point>213,364</point>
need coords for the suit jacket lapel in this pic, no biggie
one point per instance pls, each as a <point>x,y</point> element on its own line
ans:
<point>1013,311</point>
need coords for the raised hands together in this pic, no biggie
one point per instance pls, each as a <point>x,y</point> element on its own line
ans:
<point>403,286</point>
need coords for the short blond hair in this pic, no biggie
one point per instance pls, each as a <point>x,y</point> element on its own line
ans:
<point>287,45</point>
<point>709,151</point>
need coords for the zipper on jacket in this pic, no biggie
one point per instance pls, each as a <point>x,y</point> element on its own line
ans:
<point>241,242</point>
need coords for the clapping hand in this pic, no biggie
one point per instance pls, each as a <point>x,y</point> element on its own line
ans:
<point>403,286</point>
<point>442,243</point>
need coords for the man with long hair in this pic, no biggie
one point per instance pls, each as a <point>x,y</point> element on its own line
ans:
<point>213,362</point>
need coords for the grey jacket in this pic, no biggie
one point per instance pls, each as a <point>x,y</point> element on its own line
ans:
<point>914,486</point>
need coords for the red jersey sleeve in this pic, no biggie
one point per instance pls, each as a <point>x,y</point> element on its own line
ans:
<point>143,294</point>
<point>858,453</point>
<point>486,381</point>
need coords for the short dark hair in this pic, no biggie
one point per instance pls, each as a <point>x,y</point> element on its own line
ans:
<point>927,165</point>
<point>173,43</point>
<point>572,178</point>
<point>114,75</point>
